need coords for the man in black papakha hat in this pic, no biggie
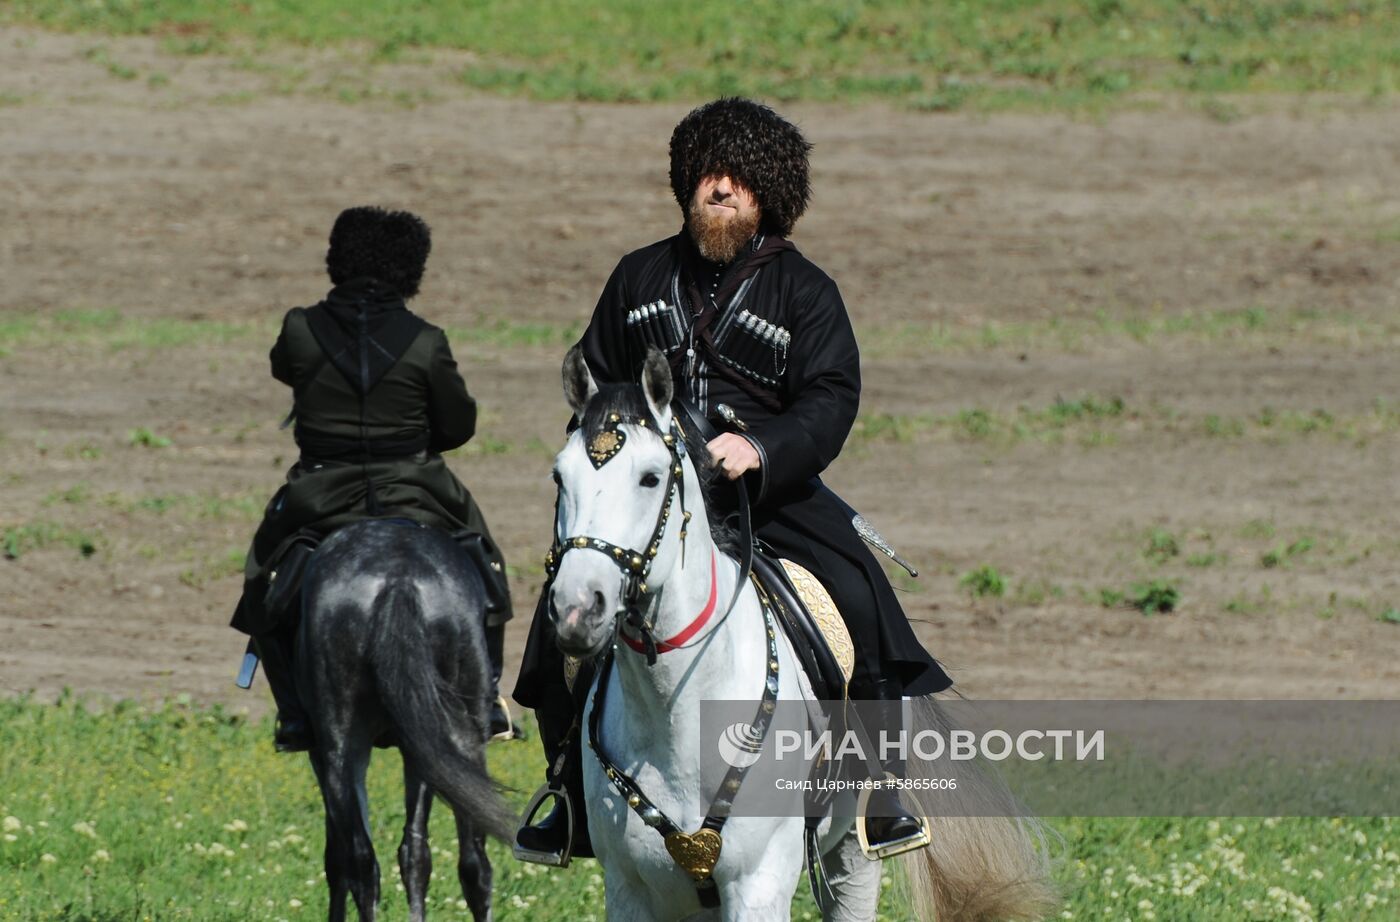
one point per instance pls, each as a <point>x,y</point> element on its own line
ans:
<point>377,398</point>
<point>746,320</point>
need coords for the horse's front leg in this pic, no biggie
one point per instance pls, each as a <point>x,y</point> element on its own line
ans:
<point>758,895</point>
<point>770,866</point>
<point>415,857</point>
<point>627,899</point>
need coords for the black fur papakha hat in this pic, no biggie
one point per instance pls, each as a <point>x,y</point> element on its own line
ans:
<point>389,246</point>
<point>755,146</point>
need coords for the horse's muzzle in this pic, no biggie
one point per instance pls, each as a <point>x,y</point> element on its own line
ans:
<point>582,622</point>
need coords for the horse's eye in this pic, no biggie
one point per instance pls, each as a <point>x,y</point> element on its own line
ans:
<point>650,480</point>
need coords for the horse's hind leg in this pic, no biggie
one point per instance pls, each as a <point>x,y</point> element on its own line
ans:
<point>350,863</point>
<point>415,858</point>
<point>473,868</point>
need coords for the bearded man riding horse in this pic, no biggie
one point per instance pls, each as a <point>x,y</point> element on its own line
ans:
<point>759,342</point>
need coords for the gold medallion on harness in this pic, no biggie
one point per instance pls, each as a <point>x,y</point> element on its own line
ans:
<point>696,853</point>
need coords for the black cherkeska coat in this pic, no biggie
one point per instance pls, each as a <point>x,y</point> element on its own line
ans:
<point>377,397</point>
<point>784,359</point>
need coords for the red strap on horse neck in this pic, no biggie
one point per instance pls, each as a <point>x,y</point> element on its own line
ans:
<point>689,631</point>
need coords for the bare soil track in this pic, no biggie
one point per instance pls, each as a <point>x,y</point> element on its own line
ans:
<point>181,199</point>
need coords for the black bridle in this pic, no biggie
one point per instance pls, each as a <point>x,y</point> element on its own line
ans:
<point>635,565</point>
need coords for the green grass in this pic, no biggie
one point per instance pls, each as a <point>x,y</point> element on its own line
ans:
<point>213,566</point>
<point>1047,424</point>
<point>19,539</point>
<point>1161,545</point>
<point>1257,326</point>
<point>102,57</point>
<point>113,330</point>
<point>186,813</point>
<point>1284,554</point>
<point>984,581</point>
<point>1092,421</point>
<point>1156,596</point>
<point>935,56</point>
<point>504,333</point>
<point>191,507</point>
<point>141,437</point>
<point>1245,604</point>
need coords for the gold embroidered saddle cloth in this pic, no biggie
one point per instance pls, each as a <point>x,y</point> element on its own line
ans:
<point>812,623</point>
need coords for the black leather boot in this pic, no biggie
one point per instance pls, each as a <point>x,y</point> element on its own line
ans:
<point>293,732</point>
<point>548,841</point>
<point>491,566</point>
<point>502,727</point>
<point>889,827</point>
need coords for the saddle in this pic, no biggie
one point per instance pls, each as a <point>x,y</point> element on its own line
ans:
<point>811,621</point>
<point>286,571</point>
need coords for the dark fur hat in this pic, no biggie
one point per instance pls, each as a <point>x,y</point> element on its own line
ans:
<point>390,246</point>
<point>755,146</point>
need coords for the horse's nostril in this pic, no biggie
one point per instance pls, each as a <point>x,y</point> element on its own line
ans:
<point>597,601</point>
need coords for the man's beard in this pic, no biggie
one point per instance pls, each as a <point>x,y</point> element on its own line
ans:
<point>720,239</point>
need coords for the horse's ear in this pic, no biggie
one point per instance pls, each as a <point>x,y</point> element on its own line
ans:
<point>579,386</point>
<point>656,384</point>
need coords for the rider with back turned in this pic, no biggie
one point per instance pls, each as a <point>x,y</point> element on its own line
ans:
<point>748,323</point>
<point>377,398</point>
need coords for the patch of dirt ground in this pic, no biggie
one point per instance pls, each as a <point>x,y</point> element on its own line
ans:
<point>1225,295</point>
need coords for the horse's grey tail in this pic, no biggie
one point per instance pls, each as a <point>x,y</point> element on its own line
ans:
<point>436,727</point>
<point>990,866</point>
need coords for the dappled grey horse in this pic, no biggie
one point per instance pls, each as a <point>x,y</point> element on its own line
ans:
<point>391,649</point>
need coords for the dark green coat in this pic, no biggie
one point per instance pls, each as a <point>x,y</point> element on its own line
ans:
<point>376,398</point>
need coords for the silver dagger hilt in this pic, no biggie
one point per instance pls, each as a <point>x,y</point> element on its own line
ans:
<point>726,413</point>
<point>876,540</point>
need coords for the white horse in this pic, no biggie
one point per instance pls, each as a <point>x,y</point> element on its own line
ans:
<point>623,541</point>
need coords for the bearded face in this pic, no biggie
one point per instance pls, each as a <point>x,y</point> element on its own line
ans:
<point>722,216</point>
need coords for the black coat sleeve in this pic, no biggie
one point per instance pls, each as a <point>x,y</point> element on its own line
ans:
<point>283,365</point>
<point>606,345</point>
<point>451,410</point>
<point>821,392</point>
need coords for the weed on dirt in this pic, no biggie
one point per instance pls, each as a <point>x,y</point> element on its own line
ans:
<point>17,540</point>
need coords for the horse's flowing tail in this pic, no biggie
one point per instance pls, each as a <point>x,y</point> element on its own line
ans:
<point>989,867</point>
<point>435,728</point>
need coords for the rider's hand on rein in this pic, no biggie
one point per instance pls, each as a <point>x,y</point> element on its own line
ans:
<point>733,454</point>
